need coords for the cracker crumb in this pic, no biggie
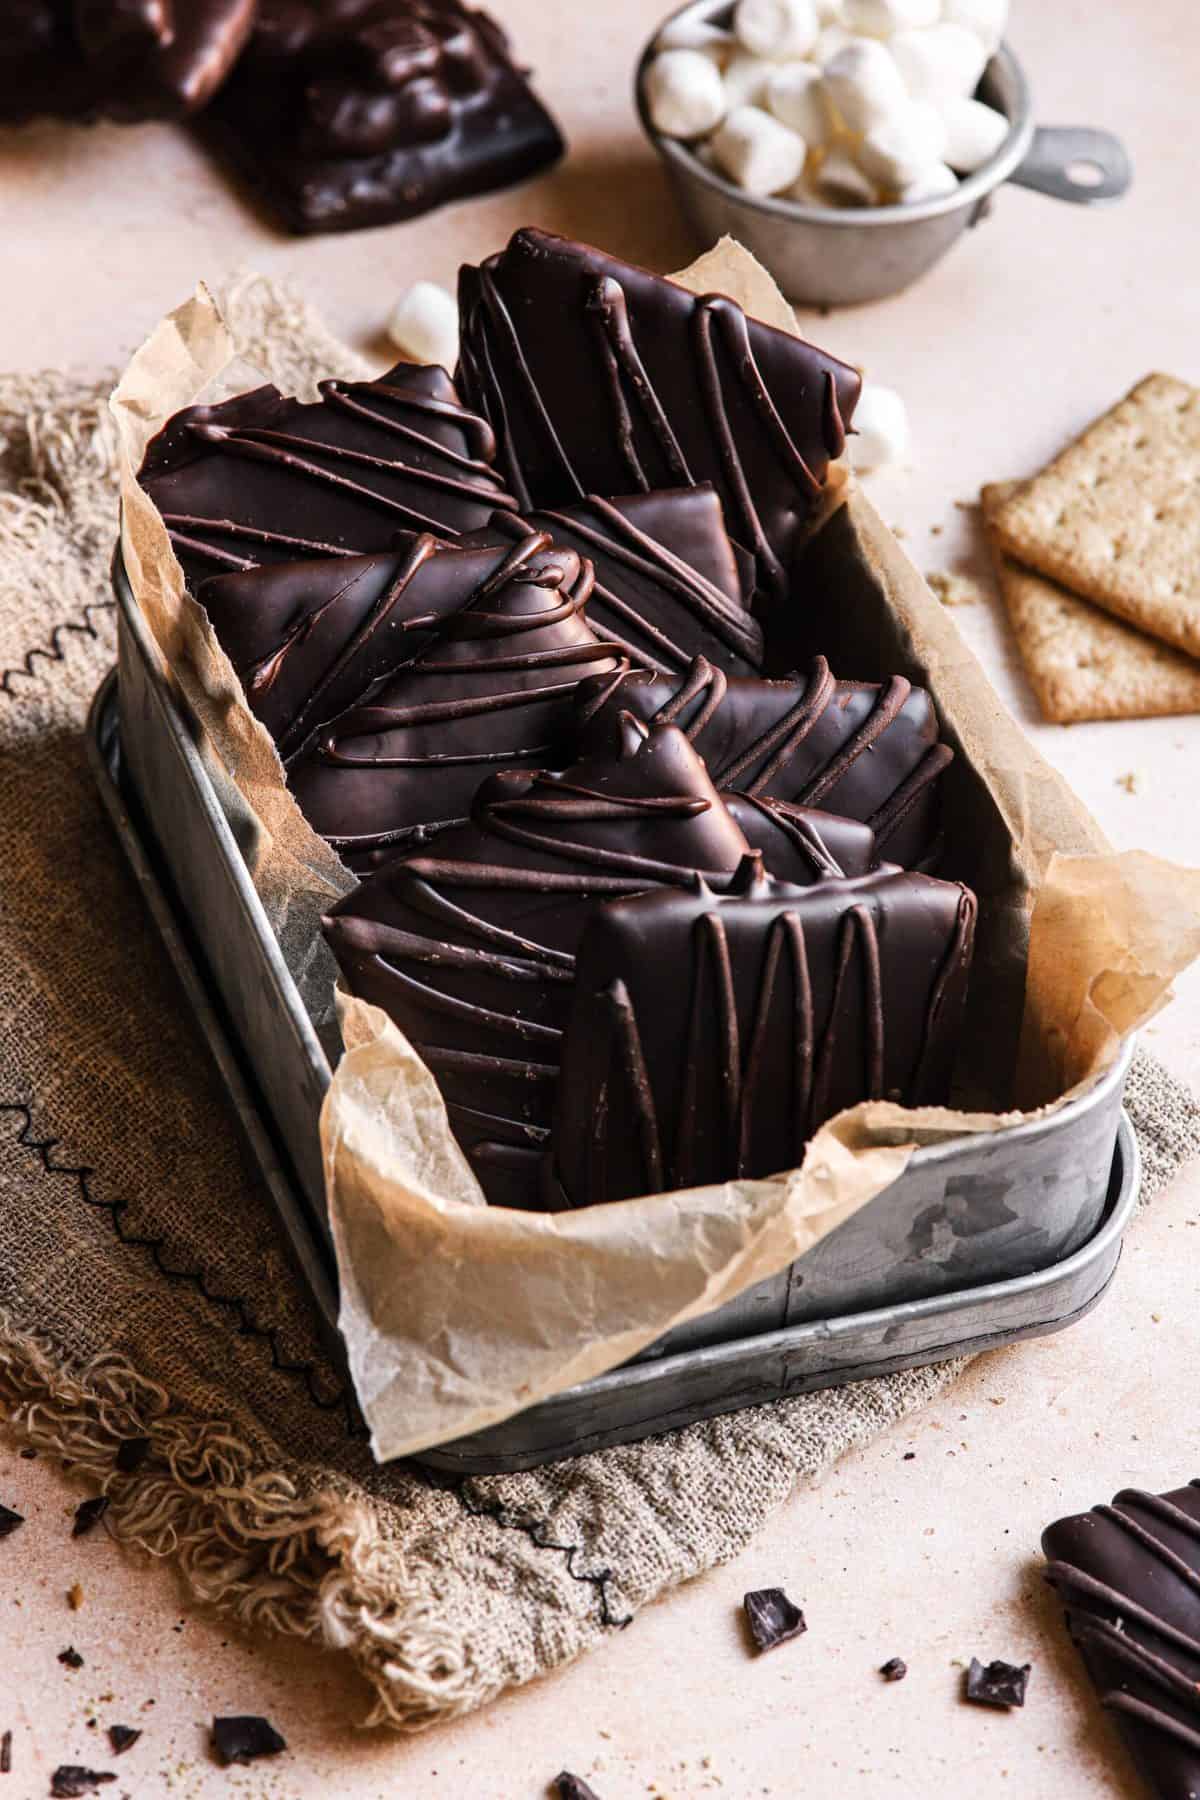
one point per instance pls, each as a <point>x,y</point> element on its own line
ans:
<point>1129,781</point>
<point>75,1596</point>
<point>955,589</point>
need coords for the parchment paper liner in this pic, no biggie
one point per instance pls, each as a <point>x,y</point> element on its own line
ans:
<point>456,1314</point>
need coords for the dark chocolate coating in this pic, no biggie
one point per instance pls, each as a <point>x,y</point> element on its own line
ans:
<point>850,747</point>
<point>712,1033</point>
<point>668,587</point>
<point>1129,1577</point>
<point>600,378</point>
<point>800,843</point>
<point>494,688</point>
<point>120,59</point>
<point>261,478</point>
<point>345,113</point>
<point>470,944</point>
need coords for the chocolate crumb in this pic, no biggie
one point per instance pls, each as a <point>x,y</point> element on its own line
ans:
<point>572,1787</point>
<point>70,1658</point>
<point>997,1683</point>
<point>69,1781</point>
<point>122,1738</point>
<point>895,1669</point>
<point>29,1454</point>
<point>243,1738</point>
<point>75,1596</point>
<point>909,1456</point>
<point>10,1521</point>
<point>131,1454</point>
<point>772,1618</point>
<point>6,1754</point>
<point>88,1515</point>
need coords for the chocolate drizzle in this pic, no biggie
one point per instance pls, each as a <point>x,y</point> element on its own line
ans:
<point>867,752</point>
<point>546,317</point>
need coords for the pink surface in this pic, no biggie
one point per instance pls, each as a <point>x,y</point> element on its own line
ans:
<point>1040,319</point>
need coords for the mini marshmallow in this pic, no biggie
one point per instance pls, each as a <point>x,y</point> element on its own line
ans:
<point>974,133</point>
<point>697,34</point>
<point>880,18</point>
<point>757,152</point>
<point>828,12</point>
<point>777,29</point>
<point>796,96</point>
<point>685,95</point>
<point>833,38</point>
<point>930,184</point>
<point>986,18</point>
<point>942,63</point>
<point>880,434</point>
<point>864,85</point>
<point>903,147</point>
<point>840,182</point>
<point>423,325</point>
<point>746,79</point>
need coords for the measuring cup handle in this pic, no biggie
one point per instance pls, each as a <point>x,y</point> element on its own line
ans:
<point>1059,153</point>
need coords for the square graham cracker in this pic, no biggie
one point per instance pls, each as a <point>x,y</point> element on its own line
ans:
<point>1116,517</point>
<point>1081,662</point>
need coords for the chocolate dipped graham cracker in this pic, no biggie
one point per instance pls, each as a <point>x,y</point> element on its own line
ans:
<point>713,1032</point>
<point>601,378</point>
<point>868,752</point>
<point>119,59</point>
<point>1128,1575</point>
<point>346,113</point>
<point>263,478</point>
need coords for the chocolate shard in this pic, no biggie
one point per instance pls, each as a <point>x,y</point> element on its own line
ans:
<point>573,1787</point>
<point>800,843</point>
<point>772,1618</point>
<point>668,587</point>
<point>601,378</point>
<point>70,1780</point>
<point>88,1515</point>
<point>494,688</point>
<point>867,752</point>
<point>1128,1575</point>
<point>70,1658</point>
<point>261,478</point>
<point>345,113</point>
<point>243,1738</point>
<point>712,1033</point>
<point>10,1521</point>
<point>997,1684</point>
<point>894,1669</point>
<point>470,944</point>
<point>122,1738</point>
<point>142,59</point>
<point>131,1454</point>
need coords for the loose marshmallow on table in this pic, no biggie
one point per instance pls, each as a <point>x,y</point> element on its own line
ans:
<point>796,96</point>
<point>423,325</point>
<point>941,63</point>
<point>986,18</point>
<point>933,181</point>
<point>757,152</point>
<point>696,34</point>
<point>840,182</point>
<point>865,85</point>
<point>903,147</point>
<point>746,79</point>
<point>881,433</point>
<point>685,95</point>
<point>880,18</point>
<point>974,133</point>
<point>776,28</point>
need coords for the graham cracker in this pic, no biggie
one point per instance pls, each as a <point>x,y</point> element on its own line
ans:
<point>1081,662</point>
<point>1116,517</point>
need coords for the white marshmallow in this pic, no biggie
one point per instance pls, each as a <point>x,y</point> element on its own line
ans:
<point>697,34</point>
<point>930,184</point>
<point>880,18</point>
<point>423,325</point>
<point>834,37</point>
<point>840,182</point>
<point>974,133</point>
<point>757,152</point>
<point>829,11</point>
<point>941,63</point>
<point>986,18</point>
<point>776,28</point>
<point>746,79</point>
<point>880,434</point>
<point>903,147</point>
<point>797,98</point>
<point>685,95</point>
<point>864,85</point>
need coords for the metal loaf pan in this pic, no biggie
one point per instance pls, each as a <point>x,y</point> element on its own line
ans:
<point>966,1220</point>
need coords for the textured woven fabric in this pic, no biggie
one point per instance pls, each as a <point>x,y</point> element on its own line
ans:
<point>142,1290</point>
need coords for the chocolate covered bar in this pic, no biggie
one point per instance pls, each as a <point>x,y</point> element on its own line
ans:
<point>470,943</point>
<point>121,59</point>
<point>1129,1577</point>
<point>345,113</point>
<point>600,378</point>
<point>713,1032</point>
<point>668,582</point>
<point>801,843</point>
<point>850,747</point>
<point>493,688</point>
<point>262,478</point>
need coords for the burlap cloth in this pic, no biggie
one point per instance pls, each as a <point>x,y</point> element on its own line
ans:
<point>141,1288</point>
